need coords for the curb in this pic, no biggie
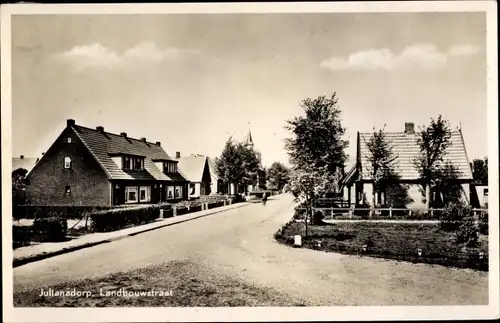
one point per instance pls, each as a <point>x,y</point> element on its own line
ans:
<point>29,259</point>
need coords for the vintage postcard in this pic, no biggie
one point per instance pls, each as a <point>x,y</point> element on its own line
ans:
<point>250,161</point>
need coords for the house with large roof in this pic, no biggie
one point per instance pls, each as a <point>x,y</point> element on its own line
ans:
<point>92,167</point>
<point>201,172</point>
<point>357,183</point>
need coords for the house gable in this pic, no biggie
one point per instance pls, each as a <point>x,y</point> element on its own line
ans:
<point>68,174</point>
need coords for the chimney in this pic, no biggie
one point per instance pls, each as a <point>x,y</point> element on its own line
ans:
<point>158,144</point>
<point>177,155</point>
<point>409,128</point>
<point>100,129</point>
<point>70,122</point>
<point>143,140</point>
<point>123,134</point>
<point>22,156</point>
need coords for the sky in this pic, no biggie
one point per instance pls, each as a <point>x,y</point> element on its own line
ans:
<point>192,81</point>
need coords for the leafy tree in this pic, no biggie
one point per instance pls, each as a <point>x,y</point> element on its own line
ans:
<point>238,163</point>
<point>396,193</point>
<point>230,164</point>
<point>19,184</point>
<point>433,141</point>
<point>307,184</point>
<point>316,150</point>
<point>480,170</point>
<point>381,161</point>
<point>317,137</point>
<point>446,183</point>
<point>251,163</point>
<point>278,175</point>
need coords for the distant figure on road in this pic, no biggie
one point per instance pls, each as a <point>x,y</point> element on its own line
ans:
<point>264,199</point>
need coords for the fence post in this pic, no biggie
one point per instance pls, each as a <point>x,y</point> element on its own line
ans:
<point>174,211</point>
<point>410,213</point>
<point>161,213</point>
<point>432,212</point>
<point>390,211</point>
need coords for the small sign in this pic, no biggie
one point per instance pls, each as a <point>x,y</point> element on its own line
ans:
<point>297,241</point>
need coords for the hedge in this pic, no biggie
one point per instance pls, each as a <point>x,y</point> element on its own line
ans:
<point>21,235</point>
<point>52,229</point>
<point>114,219</point>
<point>45,211</point>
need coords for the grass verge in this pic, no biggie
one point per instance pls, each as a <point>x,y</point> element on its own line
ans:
<point>190,285</point>
<point>399,241</point>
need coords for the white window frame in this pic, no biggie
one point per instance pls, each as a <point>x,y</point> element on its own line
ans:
<point>67,162</point>
<point>178,187</point>
<point>170,187</point>
<point>147,195</point>
<point>129,189</point>
<point>69,140</point>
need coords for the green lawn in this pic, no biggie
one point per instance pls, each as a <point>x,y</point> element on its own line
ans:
<point>191,285</point>
<point>399,241</point>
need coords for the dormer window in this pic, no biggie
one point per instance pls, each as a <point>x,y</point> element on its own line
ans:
<point>170,167</point>
<point>133,162</point>
<point>69,140</point>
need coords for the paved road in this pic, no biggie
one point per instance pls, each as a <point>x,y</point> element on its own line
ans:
<point>240,243</point>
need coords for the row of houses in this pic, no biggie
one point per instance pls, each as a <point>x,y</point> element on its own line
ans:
<point>91,167</point>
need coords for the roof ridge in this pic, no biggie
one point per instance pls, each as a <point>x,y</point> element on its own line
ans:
<point>114,134</point>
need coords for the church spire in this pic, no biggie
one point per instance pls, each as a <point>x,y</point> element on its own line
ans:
<point>248,138</point>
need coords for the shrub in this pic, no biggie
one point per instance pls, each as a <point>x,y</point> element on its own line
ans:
<point>51,229</point>
<point>453,214</point>
<point>21,236</point>
<point>318,217</point>
<point>483,222</point>
<point>110,220</point>
<point>45,211</point>
<point>468,231</point>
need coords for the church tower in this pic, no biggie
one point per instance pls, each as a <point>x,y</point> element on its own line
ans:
<point>248,139</point>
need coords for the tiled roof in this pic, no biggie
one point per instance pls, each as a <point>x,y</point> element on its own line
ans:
<point>104,144</point>
<point>406,149</point>
<point>26,163</point>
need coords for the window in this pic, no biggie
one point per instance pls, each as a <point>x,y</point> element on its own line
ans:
<point>485,192</point>
<point>170,192</point>
<point>178,192</point>
<point>133,163</point>
<point>170,167</point>
<point>69,140</point>
<point>145,194</point>
<point>67,162</point>
<point>131,194</point>
<point>139,163</point>
<point>67,189</point>
<point>192,188</point>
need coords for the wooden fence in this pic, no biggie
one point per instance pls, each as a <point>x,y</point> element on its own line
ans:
<point>385,212</point>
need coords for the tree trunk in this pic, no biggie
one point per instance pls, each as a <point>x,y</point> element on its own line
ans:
<point>372,211</point>
<point>427,197</point>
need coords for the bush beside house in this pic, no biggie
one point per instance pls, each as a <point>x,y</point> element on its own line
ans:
<point>114,219</point>
<point>43,211</point>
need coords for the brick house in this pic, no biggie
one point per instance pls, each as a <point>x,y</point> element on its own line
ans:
<point>91,167</point>
<point>357,187</point>
<point>201,172</point>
